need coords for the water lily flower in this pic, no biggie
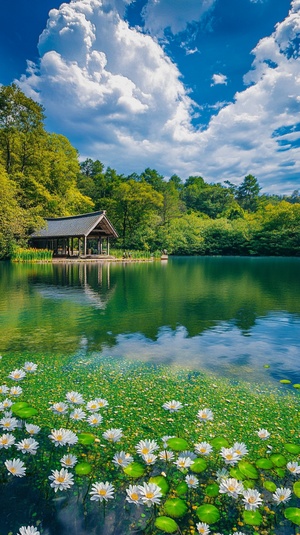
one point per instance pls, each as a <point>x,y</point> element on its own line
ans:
<point>5,404</point>
<point>122,459</point>
<point>17,375</point>
<point>78,414</point>
<point>184,462</point>
<point>203,528</point>
<point>102,402</point>
<point>187,453</point>
<point>4,389</point>
<point>222,474</point>
<point>28,445</point>
<point>61,479</point>
<point>149,458</point>
<point>231,486</point>
<point>94,420</point>
<point>229,456</point>
<point>16,467</point>
<point>32,429</point>
<point>133,495</point>
<point>8,423</point>
<point>59,408</point>
<point>281,495</point>
<point>294,468</point>
<point>192,481</point>
<point>7,440</point>
<point>166,455</point>
<point>251,499</point>
<point>146,446</point>
<point>113,435</point>
<point>61,437</point>
<point>30,367</point>
<point>165,439</point>
<point>75,398</point>
<point>150,493</point>
<point>204,448</point>
<point>102,491</point>
<point>263,434</point>
<point>172,406</point>
<point>240,448</point>
<point>28,530</point>
<point>16,391</point>
<point>205,415</point>
<point>96,404</point>
<point>68,461</point>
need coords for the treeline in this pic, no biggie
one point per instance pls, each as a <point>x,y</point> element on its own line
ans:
<point>41,176</point>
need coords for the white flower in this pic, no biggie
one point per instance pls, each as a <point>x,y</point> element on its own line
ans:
<point>61,437</point>
<point>9,424</point>
<point>96,404</point>
<point>222,474</point>
<point>172,406</point>
<point>16,391</point>
<point>94,420</point>
<point>68,461</point>
<point>113,435</point>
<point>16,467</point>
<point>122,459</point>
<point>187,453</point>
<point>102,402</point>
<point>252,499</point>
<point>294,468</point>
<point>28,530</point>
<point>203,528</point>
<point>146,446</point>
<point>61,479</point>
<point>229,456</point>
<point>205,414</point>
<point>263,434</point>
<point>32,429</point>
<point>191,481</point>
<point>240,448</point>
<point>204,448</point>
<point>75,398</point>
<point>59,408</point>
<point>133,494</point>
<point>5,404</point>
<point>149,458</point>
<point>17,375</point>
<point>231,487</point>
<point>102,491</point>
<point>165,440</point>
<point>28,445</point>
<point>184,462</point>
<point>78,414</point>
<point>30,367</point>
<point>166,455</point>
<point>6,440</point>
<point>4,389</point>
<point>281,495</point>
<point>150,493</point>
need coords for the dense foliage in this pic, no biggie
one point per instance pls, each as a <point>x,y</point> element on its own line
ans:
<point>40,176</point>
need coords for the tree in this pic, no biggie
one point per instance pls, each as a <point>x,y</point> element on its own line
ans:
<point>248,194</point>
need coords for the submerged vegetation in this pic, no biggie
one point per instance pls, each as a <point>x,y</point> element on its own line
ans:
<point>135,448</point>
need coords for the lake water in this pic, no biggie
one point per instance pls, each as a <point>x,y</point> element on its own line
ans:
<point>230,316</point>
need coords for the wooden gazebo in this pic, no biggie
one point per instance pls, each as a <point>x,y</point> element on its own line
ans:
<point>79,235</point>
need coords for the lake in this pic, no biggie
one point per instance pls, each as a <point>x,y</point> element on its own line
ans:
<point>226,315</point>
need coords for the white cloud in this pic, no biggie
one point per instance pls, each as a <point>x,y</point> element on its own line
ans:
<point>116,95</point>
<point>219,79</point>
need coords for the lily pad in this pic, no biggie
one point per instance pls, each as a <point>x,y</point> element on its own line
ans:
<point>166,524</point>
<point>249,484</point>
<point>292,448</point>
<point>199,465</point>
<point>253,518</point>
<point>212,490</point>
<point>208,513</point>
<point>285,381</point>
<point>83,469</point>
<point>280,472</point>
<point>19,405</point>
<point>26,412</point>
<point>219,442</point>
<point>135,470</point>
<point>248,469</point>
<point>293,514</point>
<point>270,486</point>
<point>182,488</point>
<point>175,507</point>
<point>178,444</point>
<point>296,489</point>
<point>278,460</point>
<point>86,439</point>
<point>266,365</point>
<point>236,473</point>
<point>265,464</point>
<point>297,386</point>
<point>161,482</point>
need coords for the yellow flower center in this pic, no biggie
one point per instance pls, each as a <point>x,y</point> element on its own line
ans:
<point>134,496</point>
<point>59,437</point>
<point>13,470</point>
<point>252,499</point>
<point>102,492</point>
<point>231,488</point>
<point>145,450</point>
<point>149,495</point>
<point>281,497</point>
<point>60,479</point>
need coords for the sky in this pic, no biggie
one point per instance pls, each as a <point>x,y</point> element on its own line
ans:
<point>186,87</point>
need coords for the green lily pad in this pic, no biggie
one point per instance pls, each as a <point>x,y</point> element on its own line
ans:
<point>293,514</point>
<point>266,365</point>
<point>26,412</point>
<point>292,448</point>
<point>280,472</point>
<point>178,444</point>
<point>270,486</point>
<point>199,465</point>
<point>182,488</point>
<point>18,405</point>
<point>297,386</point>
<point>253,518</point>
<point>248,484</point>
<point>208,513</point>
<point>248,469</point>
<point>219,442</point>
<point>265,464</point>
<point>285,381</point>
<point>236,473</point>
<point>161,482</point>
<point>83,469</point>
<point>212,490</point>
<point>278,460</point>
<point>175,507</point>
<point>296,489</point>
<point>86,439</point>
<point>135,470</point>
<point>166,524</point>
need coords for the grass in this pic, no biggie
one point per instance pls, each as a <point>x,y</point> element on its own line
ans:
<point>31,255</point>
<point>135,394</point>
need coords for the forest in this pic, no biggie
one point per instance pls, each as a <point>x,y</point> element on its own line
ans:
<point>41,175</point>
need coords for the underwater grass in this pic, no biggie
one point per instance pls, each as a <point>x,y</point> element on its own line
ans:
<point>136,394</point>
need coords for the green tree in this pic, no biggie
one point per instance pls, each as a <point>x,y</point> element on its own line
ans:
<point>248,194</point>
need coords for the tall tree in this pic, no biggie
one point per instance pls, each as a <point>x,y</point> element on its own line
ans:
<point>248,194</point>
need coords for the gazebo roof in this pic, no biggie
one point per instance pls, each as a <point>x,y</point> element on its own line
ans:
<point>92,224</point>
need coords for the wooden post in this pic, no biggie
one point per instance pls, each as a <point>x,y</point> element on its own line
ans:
<point>107,245</point>
<point>84,246</point>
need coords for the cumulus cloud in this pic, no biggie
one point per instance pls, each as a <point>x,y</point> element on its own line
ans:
<point>219,79</point>
<point>114,92</point>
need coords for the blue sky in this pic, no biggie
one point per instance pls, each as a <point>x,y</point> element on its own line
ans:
<point>209,87</point>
